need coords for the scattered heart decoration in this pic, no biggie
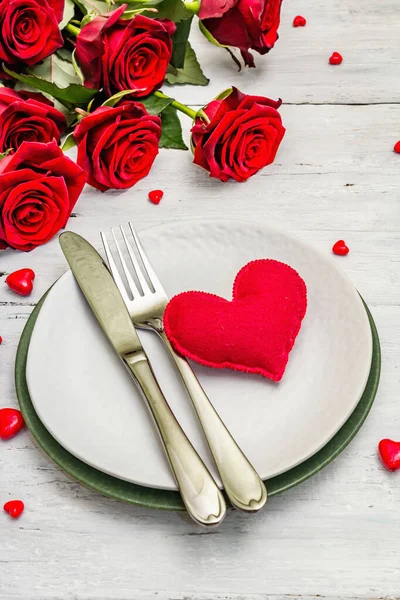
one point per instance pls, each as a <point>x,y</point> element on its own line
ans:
<point>335,58</point>
<point>14,508</point>
<point>253,333</point>
<point>340,248</point>
<point>155,196</point>
<point>389,452</point>
<point>396,147</point>
<point>299,21</point>
<point>11,422</point>
<point>21,282</point>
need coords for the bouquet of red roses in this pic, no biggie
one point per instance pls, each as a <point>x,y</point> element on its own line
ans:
<point>87,73</point>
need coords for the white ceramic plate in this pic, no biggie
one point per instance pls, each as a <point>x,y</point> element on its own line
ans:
<point>87,401</point>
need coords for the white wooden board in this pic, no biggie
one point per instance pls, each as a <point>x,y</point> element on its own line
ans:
<point>337,535</point>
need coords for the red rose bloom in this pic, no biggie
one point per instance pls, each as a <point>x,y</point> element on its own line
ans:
<point>117,145</point>
<point>39,187</point>
<point>120,54</point>
<point>27,117</point>
<point>243,23</point>
<point>242,137</point>
<point>29,30</point>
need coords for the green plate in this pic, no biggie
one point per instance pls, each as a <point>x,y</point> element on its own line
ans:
<point>164,499</point>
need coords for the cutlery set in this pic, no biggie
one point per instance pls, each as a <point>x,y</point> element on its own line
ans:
<point>128,296</point>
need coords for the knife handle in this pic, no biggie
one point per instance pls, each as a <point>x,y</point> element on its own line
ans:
<point>200,494</point>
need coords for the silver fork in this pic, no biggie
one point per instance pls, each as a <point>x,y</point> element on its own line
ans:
<point>242,484</point>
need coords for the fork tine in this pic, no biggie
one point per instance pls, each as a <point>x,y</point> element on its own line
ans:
<point>149,269</point>
<point>136,265</point>
<point>114,268</point>
<point>131,283</point>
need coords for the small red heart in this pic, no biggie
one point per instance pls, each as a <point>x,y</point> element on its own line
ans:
<point>15,508</point>
<point>155,196</point>
<point>396,147</point>
<point>1,340</point>
<point>21,282</point>
<point>335,59</point>
<point>340,248</point>
<point>11,421</point>
<point>389,452</point>
<point>299,21</point>
<point>253,333</point>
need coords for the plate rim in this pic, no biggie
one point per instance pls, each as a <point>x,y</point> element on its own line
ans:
<point>131,493</point>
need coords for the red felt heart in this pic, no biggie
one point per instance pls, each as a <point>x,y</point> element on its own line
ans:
<point>253,333</point>
<point>15,508</point>
<point>389,452</point>
<point>11,421</point>
<point>21,281</point>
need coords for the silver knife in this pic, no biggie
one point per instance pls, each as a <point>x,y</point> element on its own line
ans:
<point>200,494</point>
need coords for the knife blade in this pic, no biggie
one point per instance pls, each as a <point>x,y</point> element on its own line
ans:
<point>200,494</point>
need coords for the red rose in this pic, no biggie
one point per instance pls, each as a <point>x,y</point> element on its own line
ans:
<point>27,117</point>
<point>120,54</point>
<point>117,145</point>
<point>29,30</point>
<point>242,137</point>
<point>39,187</point>
<point>243,23</point>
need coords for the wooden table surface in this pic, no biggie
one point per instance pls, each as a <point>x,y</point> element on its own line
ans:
<point>336,176</point>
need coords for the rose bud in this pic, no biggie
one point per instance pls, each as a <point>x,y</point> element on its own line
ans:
<point>244,24</point>
<point>242,136</point>
<point>117,145</point>
<point>124,54</point>
<point>26,116</point>
<point>39,187</point>
<point>29,30</point>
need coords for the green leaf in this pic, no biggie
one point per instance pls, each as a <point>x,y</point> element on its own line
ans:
<point>171,136</point>
<point>155,105</point>
<point>6,153</point>
<point>140,3</point>
<point>112,101</point>
<point>87,18</point>
<point>68,143</point>
<point>67,112</point>
<point>96,7</point>
<point>64,54</point>
<point>81,6</point>
<point>223,94</point>
<point>70,96</point>
<point>179,40</point>
<point>174,10</point>
<point>69,11</point>
<point>89,106</point>
<point>130,14</point>
<point>76,67</point>
<point>56,69</point>
<point>191,72</point>
<point>139,6</point>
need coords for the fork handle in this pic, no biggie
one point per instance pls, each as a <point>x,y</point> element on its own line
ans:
<point>200,494</point>
<point>243,486</point>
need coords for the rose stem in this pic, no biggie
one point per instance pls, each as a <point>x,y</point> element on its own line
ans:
<point>181,107</point>
<point>72,29</point>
